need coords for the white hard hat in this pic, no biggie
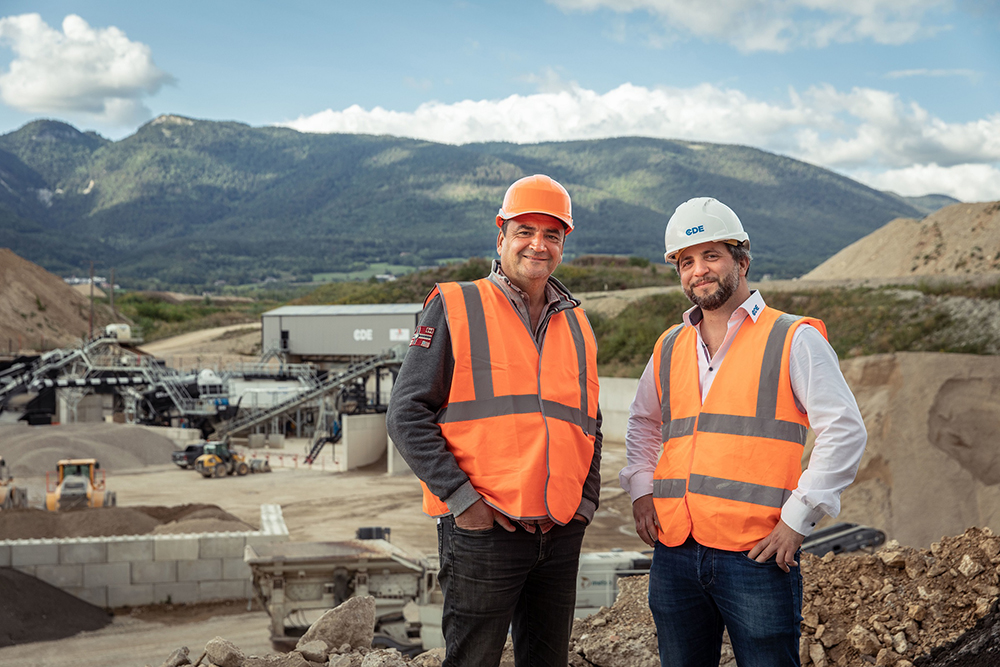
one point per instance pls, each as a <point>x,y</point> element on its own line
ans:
<point>701,220</point>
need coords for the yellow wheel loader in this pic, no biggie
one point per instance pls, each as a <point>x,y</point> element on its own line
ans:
<point>77,485</point>
<point>219,461</point>
<point>11,497</point>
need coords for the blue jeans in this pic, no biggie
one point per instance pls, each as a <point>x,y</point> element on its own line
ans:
<point>696,591</point>
<point>493,580</point>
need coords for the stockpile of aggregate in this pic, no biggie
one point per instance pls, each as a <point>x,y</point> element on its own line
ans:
<point>32,610</point>
<point>29,523</point>
<point>894,607</point>
<point>33,450</point>
<point>900,606</point>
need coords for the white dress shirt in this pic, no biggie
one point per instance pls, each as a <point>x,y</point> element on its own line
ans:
<point>818,387</point>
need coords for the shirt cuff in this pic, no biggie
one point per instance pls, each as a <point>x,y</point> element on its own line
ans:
<point>800,517</point>
<point>463,498</point>
<point>638,484</point>
<point>586,509</point>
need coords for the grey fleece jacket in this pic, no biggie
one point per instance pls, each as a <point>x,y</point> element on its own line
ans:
<point>421,391</point>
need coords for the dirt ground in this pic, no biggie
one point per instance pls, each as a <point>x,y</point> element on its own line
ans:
<point>317,506</point>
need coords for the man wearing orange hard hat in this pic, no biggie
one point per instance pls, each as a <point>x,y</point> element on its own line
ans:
<point>495,410</point>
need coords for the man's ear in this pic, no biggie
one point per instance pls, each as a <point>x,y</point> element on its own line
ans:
<point>499,241</point>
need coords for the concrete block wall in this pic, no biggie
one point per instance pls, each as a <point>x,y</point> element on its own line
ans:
<point>133,570</point>
<point>365,440</point>
<point>616,397</point>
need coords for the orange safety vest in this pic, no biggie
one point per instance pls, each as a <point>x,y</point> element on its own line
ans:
<point>522,427</point>
<point>728,465</point>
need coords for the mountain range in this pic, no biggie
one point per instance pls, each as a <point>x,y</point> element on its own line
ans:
<point>186,203</point>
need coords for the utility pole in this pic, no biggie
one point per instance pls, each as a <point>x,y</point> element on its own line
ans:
<point>113,311</point>
<point>91,298</point>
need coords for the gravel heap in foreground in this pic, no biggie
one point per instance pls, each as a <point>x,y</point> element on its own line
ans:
<point>894,607</point>
<point>900,606</point>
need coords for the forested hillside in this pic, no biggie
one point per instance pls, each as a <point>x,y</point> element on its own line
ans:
<point>186,203</point>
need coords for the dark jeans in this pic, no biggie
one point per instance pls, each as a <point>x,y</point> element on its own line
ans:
<point>696,591</point>
<point>494,580</point>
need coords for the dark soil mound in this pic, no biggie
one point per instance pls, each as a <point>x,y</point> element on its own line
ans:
<point>33,611</point>
<point>22,524</point>
<point>979,647</point>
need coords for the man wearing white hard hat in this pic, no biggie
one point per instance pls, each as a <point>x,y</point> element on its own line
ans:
<point>714,447</point>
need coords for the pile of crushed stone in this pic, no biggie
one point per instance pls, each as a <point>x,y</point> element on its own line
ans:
<point>894,607</point>
<point>29,523</point>
<point>899,607</point>
<point>342,637</point>
<point>33,450</point>
<point>34,611</point>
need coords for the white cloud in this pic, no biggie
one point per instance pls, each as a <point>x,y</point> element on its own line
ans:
<point>97,73</point>
<point>868,131</point>
<point>968,182</point>
<point>938,73</point>
<point>779,25</point>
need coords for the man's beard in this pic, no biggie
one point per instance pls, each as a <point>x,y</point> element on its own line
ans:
<point>727,286</point>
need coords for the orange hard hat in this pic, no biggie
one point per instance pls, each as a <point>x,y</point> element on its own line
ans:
<point>537,194</point>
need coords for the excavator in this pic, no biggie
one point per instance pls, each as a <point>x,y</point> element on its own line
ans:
<point>77,485</point>
<point>11,497</point>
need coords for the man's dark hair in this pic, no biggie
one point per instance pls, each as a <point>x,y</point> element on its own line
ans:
<point>738,252</point>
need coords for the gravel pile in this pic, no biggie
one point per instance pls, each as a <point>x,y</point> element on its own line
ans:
<point>32,611</point>
<point>29,523</point>
<point>33,450</point>
<point>900,606</point>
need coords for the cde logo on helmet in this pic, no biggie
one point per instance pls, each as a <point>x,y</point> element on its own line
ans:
<point>694,230</point>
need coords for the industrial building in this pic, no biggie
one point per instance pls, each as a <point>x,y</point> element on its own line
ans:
<point>328,335</point>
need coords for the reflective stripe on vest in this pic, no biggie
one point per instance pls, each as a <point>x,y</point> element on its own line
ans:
<point>775,426</point>
<point>548,436</point>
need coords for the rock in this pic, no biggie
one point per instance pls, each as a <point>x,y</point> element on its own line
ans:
<point>431,658</point>
<point>983,606</point>
<point>916,612</point>
<point>345,660</point>
<point>296,659</point>
<point>969,568</point>
<point>314,651</point>
<point>832,636</point>
<point>180,656</point>
<point>383,658</point>
<point>915,566</point>
<point>224,653</point>
<point>893,558</point>
<point>353,623</point>
<point>864,640</point>
<point>262,661</point>
<point>885,658</point>
<point>817,655</point>
<point>990,547</point>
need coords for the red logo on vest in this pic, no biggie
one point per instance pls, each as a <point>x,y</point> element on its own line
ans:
<point>422,337</point>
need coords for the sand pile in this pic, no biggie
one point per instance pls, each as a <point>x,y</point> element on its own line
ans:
<point>958,240</point>
<point>32,611</point>
<point>39,311</point>
<point>23,524</point>
<point>34,450</point>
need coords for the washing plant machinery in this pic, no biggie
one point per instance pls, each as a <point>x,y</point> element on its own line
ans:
<point>146,391</point>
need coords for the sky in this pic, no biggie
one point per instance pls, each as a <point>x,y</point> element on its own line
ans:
<point>902,95</point>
